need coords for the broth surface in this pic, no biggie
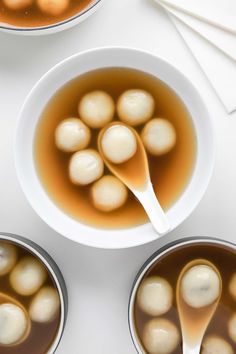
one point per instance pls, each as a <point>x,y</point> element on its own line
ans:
<point>170,173</point>
<point>42,335</point>
<point>34,17</point>
<point>169,267</point>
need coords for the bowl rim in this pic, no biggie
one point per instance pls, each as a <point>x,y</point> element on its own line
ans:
<point>80,15</point>
<point>96,242</point>
<point>148,264</point>
<point>54,271</point>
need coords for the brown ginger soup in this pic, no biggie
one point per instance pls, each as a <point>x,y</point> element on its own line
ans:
<point>42,334</point>
<point>169,267</point>
<point>32,15</point>
<point>170,173</point>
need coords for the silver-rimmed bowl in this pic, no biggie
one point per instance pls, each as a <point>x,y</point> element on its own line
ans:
<point>170,247</point>
<point>55,273</point>
<point>54,27</point>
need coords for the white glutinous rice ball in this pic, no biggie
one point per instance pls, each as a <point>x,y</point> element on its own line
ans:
<point>17,4</point>
<point>72,135</point>
<point>13,324</point>
<point>155,296</point>
<point>96,109</point>
<point>135,107</point>
<point>118,143</point>
<point>44,305</point>
<point>8,256</point>
<point>53,7</point>
<point>160,336</point>
<point>28,276</point>
<point>109,193</point>
<point>232,327</point>
<point>158,136</point>
<point>216,345</point>
<point>232,286</point>
<point>200,286</point>
<point>85,167</point>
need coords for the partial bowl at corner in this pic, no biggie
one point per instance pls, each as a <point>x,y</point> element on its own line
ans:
<point>39,254</point>
<point>166,263</point>
<point>73,67</point>
<point>53,27</point>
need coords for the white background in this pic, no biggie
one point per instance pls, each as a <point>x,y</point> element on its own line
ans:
<point>99,281</point>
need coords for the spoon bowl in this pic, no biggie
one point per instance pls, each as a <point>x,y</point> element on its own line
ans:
<point>139,182</point>
<point>194,321</point>
<point>6,299</point>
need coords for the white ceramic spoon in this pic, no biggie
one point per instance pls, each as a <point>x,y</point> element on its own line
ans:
<point>194,321</point>
<point>134,173</point>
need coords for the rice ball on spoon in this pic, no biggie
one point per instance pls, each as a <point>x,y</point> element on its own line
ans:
<point>13,324</point>
<point>28,276</point>
<point>135,107</point>
<point>160,336</point>
<point>109,193</point>
<point>8,256</point>
<point>85,167</point>
<point>72,135</point>
<point>155,296</point>
<point>159,136</point>
<point>118,143</point>
<point>44,305</point>
<point>216,345</point>
<point>200,286</point>
<point>96,109</point>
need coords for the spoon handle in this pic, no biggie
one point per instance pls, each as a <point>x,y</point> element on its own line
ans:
<point>191,350</point>
<point>153,209</point>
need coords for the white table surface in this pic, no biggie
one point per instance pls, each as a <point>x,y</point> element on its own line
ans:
<point>99,281</point>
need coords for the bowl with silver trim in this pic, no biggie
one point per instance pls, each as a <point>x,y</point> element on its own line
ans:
<point>51,26</point>
<point>32,281</point>
<point>149,315</point>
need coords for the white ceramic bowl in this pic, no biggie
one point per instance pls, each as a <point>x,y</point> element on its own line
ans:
<point>42,93</point>
<point>55,27</point>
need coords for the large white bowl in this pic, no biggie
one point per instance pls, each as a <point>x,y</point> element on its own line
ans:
<point>42,93</point>
<point>54,27</point>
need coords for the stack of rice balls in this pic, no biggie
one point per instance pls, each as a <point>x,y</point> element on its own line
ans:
<point>155,298</point>
<point>96,110</point>
<point>27,277</point>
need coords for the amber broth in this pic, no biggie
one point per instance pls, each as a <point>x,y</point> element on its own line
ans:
<point>170,174</point>
<point>34,17</point>
<point>41,336</point>
<point>170,265</point>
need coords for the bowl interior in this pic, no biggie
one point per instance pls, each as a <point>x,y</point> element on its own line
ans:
<point>42,93</point>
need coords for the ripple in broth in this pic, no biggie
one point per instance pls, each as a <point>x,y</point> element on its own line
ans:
<point>170,173</point>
